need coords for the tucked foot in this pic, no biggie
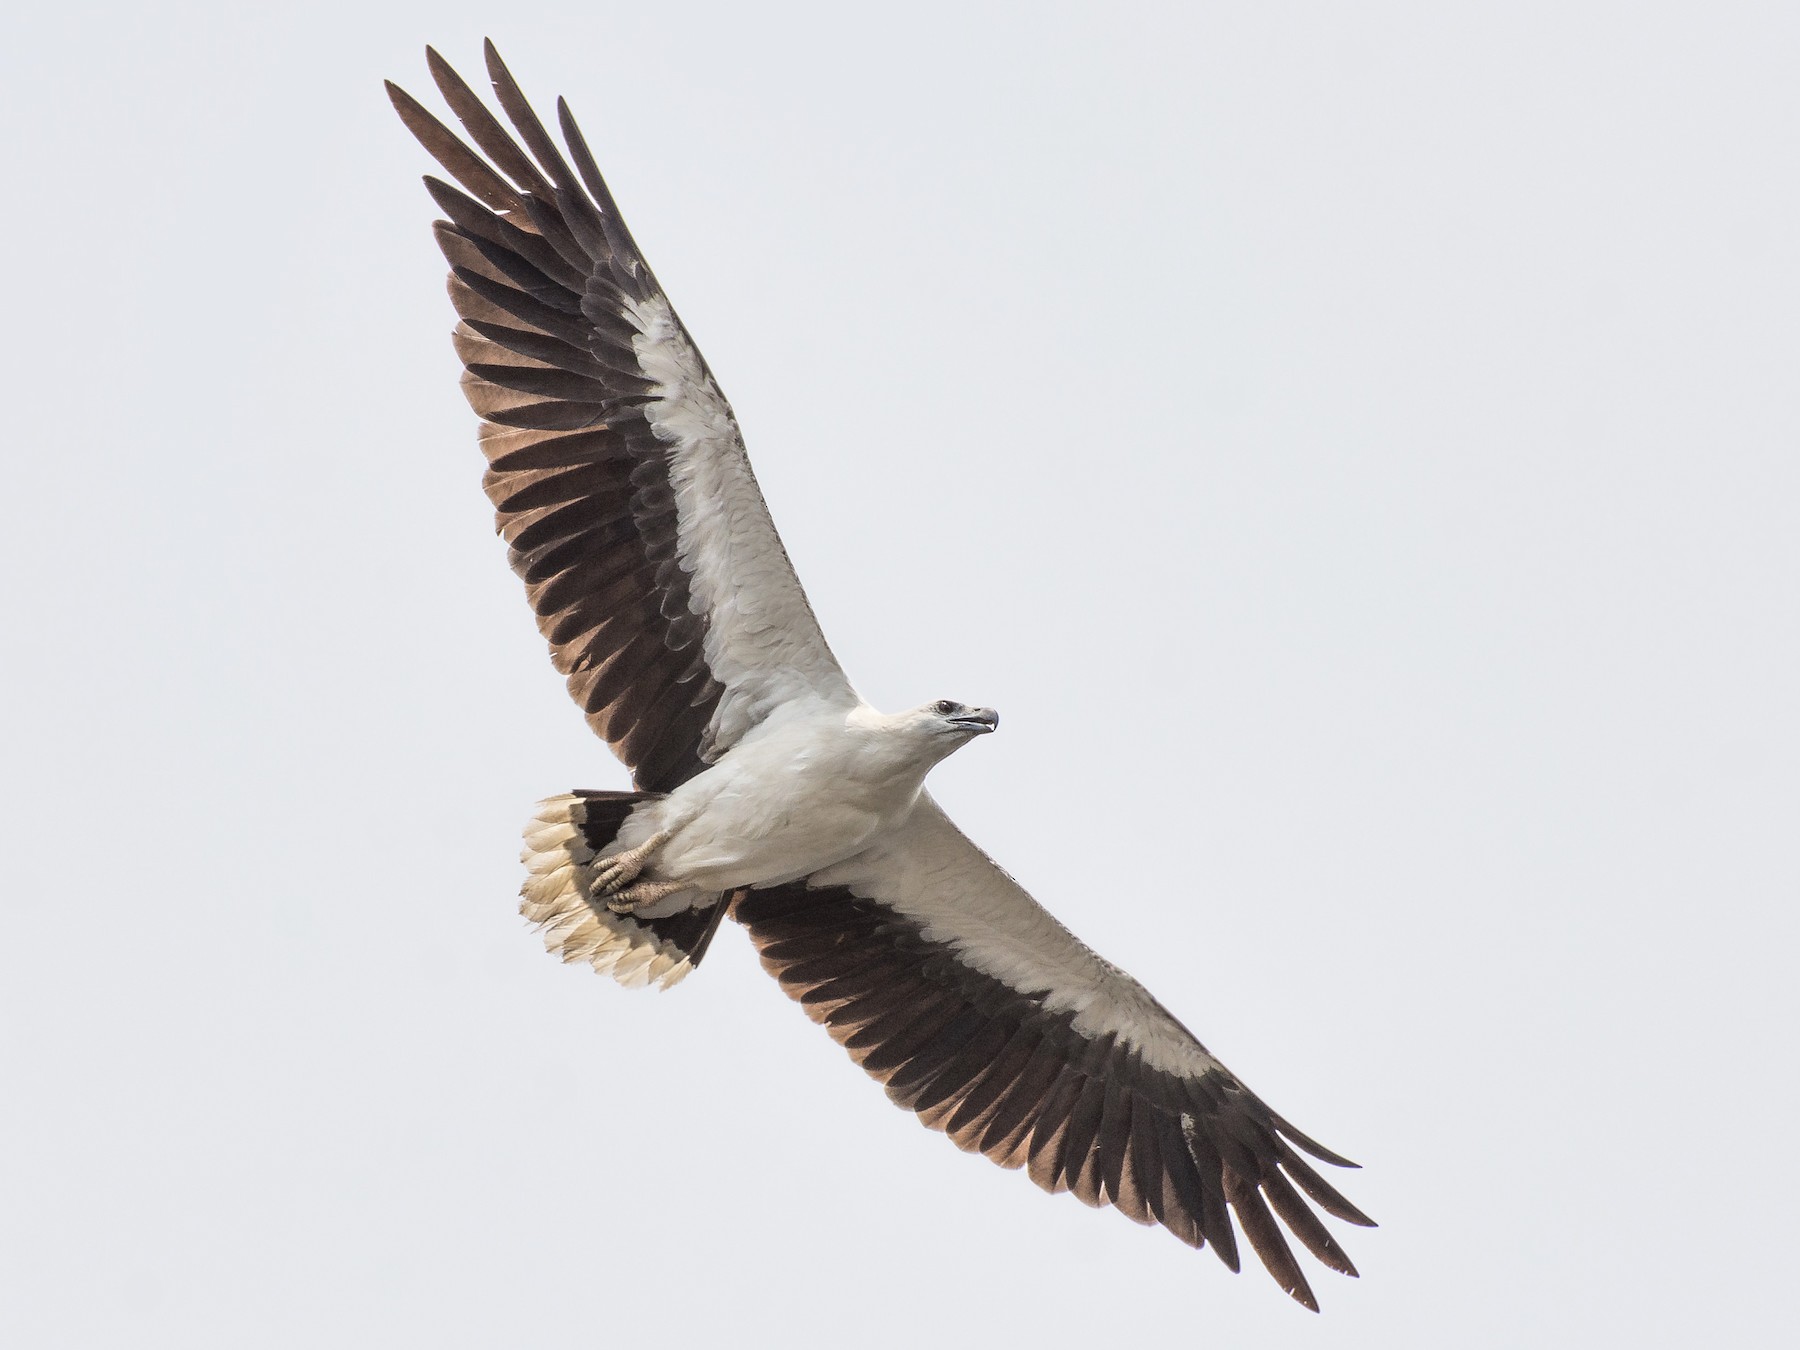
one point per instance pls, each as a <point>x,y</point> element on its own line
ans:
<point>643,893</point>
<point>619,871</point>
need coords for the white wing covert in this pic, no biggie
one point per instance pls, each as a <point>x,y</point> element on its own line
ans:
<point>980,1012</point>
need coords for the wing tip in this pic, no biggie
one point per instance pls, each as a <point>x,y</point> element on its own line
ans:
<point>496,68</point>
<point>1311,1146</point>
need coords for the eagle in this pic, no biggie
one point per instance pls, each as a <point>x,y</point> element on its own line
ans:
<point>764,788</point>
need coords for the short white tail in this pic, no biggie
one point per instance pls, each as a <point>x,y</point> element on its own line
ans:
<point>562,843</point>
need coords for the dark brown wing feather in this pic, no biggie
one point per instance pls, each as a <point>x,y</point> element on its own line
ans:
<point>1005,1077</point>
<point>541,270</point>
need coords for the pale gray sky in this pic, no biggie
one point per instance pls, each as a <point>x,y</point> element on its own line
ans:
<point>1354,446</point>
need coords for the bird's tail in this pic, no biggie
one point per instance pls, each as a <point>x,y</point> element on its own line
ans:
<point>562,843</point>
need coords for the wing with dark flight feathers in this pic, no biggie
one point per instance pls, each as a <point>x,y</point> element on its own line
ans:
<point>614,462</point>
<point>981,1013</point>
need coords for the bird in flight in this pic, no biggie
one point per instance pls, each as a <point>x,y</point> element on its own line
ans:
<point>766,789</point>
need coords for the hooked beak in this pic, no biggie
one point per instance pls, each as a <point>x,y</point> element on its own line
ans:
<point>979,721</point>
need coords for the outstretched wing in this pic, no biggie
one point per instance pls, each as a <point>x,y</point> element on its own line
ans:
<point>614,462</point>
<point>977,1010</point>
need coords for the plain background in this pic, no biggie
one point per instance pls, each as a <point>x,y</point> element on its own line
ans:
<point>1354,446</point>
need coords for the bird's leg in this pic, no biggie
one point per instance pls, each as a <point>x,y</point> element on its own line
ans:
<point>643,893</point>
<point>614,874</point>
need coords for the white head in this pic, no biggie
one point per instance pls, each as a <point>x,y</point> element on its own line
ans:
<point>937,729</point>
<point>920,737</point>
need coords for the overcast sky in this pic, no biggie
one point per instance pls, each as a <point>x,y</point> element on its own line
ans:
<point>1357,448</point>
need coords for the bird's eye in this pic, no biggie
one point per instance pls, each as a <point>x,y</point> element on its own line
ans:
<point>943,707</point>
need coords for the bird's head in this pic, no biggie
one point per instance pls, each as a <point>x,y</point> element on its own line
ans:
<point>953,724</point>
<point>920,737</point>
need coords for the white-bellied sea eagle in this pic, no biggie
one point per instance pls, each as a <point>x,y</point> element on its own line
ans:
<point>767,790</point>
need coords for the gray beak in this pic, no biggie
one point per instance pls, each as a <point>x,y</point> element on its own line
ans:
<point>979,720</point>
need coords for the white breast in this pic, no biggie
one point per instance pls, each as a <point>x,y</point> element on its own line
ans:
<point>805,790</point>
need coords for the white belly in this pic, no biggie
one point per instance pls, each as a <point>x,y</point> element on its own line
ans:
<point>791,799</point>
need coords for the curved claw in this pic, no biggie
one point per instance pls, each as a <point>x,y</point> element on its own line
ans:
<point>643,893</point>
<point>613,878</point>
<point>616,873</point>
